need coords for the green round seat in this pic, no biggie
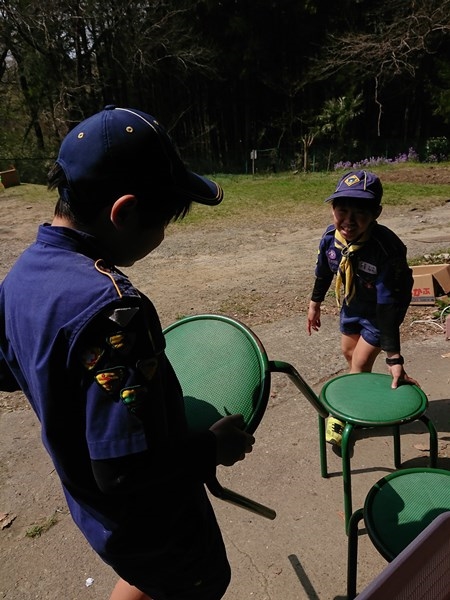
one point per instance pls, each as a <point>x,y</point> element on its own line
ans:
<point>368,400</point>
<point>401,505</point>
<point>222,367</point>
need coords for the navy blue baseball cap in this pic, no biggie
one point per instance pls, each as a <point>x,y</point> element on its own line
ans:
<point>125,151</point>
<point>358,184</point>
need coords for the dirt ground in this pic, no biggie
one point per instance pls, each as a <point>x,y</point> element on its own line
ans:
<point>260,272</point>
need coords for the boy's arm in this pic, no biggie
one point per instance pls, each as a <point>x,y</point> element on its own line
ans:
<point>193,458</point>
<point>394,289</point>
<point>225,443</point>
<point>321,287</point>
<point>322,282</point>
<point>389,319</point>
<point>323,272</point>
<point>135,423</point>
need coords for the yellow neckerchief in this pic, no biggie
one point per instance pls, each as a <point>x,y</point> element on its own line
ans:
<point>344,275</point>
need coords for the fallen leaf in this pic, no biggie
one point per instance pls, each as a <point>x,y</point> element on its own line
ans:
<point>6,519</point>
<point>423,447</point>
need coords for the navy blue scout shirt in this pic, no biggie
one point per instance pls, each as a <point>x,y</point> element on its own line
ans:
<point>383,279</point>
<point>87,350</point>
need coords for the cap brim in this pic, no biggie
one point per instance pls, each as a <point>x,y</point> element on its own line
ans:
<point>355,194</point>
<point>200,189</point>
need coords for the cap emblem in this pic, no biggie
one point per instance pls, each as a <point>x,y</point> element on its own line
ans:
<point>351,180</point>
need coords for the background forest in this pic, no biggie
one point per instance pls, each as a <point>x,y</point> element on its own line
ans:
<point>304,83</point>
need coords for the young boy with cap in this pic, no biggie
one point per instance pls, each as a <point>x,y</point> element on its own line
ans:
<point>87,349</point>
<point>373,281</point>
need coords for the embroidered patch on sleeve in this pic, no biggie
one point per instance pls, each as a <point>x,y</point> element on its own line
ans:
<point>111,380</point>
<point>121,342</point>
<point>134,397</point>
<point>147,367</point>
<point>91,356</point>
<point>122,316</point>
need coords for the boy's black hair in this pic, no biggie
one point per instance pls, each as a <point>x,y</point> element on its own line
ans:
<point>165,209</point>
<point>56,180</point>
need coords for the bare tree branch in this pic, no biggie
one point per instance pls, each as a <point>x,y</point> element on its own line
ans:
<point>416,28</point>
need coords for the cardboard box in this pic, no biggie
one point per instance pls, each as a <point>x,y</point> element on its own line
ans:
<point>9,178</point>
<point>430,282</point>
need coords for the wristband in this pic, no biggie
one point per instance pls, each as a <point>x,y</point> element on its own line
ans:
<point>395,361</point>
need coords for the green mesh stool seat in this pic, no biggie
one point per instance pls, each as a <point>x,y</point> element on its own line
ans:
<point>396,510</point>
<point>223,369</point>
<point>367,400</point>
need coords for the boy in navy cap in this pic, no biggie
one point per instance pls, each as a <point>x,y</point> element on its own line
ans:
<point>373,281</point>
<point>86,348</point>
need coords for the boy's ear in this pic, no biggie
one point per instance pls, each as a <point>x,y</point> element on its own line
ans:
<point>378,211</point>
<point>122,210</point>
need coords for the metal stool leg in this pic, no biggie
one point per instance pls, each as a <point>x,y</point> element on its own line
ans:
<point>397,450</point>
<point>352,560</point>
<point>322,447</point>
<point>433,440</point>
<point>346,472</point>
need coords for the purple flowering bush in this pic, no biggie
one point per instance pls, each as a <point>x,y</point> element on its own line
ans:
<point>410,156</point>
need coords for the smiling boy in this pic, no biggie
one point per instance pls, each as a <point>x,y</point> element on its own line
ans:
<point>373,280</point>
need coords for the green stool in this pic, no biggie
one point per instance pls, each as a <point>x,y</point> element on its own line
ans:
<point>367,400</point>
<point>397,509</point>
<point>223,368</point>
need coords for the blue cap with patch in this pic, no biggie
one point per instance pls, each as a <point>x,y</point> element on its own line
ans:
<point>358,184</point>
<point>125,151</point>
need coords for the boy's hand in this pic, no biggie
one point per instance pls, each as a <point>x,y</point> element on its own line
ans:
<point>232,442</point>
<point>313,321</point>
<point>399,376</point>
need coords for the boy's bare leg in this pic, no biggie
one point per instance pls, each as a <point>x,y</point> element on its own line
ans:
<point>125,591</point>
<point>363,357</point>
<point>348,345</point>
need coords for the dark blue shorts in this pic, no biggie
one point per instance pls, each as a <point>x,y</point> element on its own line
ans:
<point>352,324</point>
<point>201,574</point>
<point>212,586</point>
